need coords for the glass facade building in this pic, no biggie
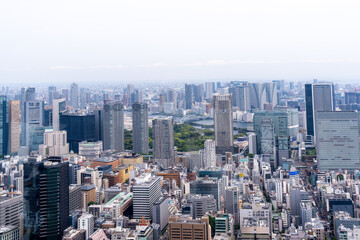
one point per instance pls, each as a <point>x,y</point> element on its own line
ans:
<point>4,125</point>
<point>46,198</point>
<point>79,127</point>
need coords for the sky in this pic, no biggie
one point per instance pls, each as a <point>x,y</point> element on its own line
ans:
<point>116,41</point>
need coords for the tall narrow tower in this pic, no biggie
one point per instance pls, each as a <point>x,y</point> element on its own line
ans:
<point>223,123</point>
<point>140,128</point>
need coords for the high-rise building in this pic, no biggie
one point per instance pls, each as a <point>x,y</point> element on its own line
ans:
<point>140,128</point>
<point>27,94</point>
<point>188,96</point>
<point>241,97</point>
<point>209,153</point>
<point>46,198</point>
<point>263,93</point>
<point>318,97</point>
<point>55,144</point>
<point>4,125</point>
<point>223,122</point>
<point>252,143</point>
<point>146,191</point>
<point>11,208</point>
<point>86,222</point>
<point>337,140</point>
<point>209,90</point>
<point>32,122</point>
<point>52,94</point>
<point>205,187</point>
<point>285,123</point>
<point>74,197</point>
<point>160,213</point>
<point>74,95</point>
<point>59,105</point>
<point>14,126</point>
<point>79,127</point>
<point>163,143</point>
<point>171,96</point>
<point>198,92</point>
<point>202,204</point>
<point>113,126</point>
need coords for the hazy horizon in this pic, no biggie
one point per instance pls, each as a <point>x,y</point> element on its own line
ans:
<point>163,41</point>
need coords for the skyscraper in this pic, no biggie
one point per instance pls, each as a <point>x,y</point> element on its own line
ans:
<point>113,126</point>
<point>188,96</point>
<point>223,123</point>
<point>74,95</point>
<point>79,127</point>
<point>51,94</point>
<point>209,90</point>
<point>337,140</point>
<point>14,126</point>
<point>27,94</point>
<point>241,97</point>
<point>58,106</point>
<point>4,125</point>
<point>140,128</point>
<point>33,122</point>
<point>318,97</point>
<point>262,93</point>
<point>163,143</point>
<point>46,198</point>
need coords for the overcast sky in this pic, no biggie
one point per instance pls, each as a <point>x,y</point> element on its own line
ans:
<point>139,41</point>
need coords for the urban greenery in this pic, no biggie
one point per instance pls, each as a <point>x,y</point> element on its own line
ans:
<point>187,138</point>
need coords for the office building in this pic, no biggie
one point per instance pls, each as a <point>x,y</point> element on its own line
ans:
<point>32,133</point>
<point>337,140</point>
<point>4,125</point>
<point>74,197</point>
<point>188,96</point>
<point>88,195</point>
<point>59,105</point>
<point>209,153</point>
<point>318,97</point>
<point>55,144</point>
<point>274,123</point>
<point>79,127</point>
<point>74,96</point>
<point>113,126</point>
<point>223,123</point>
<point>14,126</point>
<point>10,233</point>
<point>241,97</point>
<point>140,128</point>
<point>52,94</point>
<point>205,187</point>
<point>146,191</point>
<point>209,90</point>
<point>90,150</point>
<point>46,198</point>
<point>74,234</point>
<point>262,94</point>
<point>86,222</point>
<point>186,228</point>
<point>160,212</point>
<point>307,211</point>
<point>232,195</point>
<point>202,204</point>
<point>163,141</point>
<point>11,208</point>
